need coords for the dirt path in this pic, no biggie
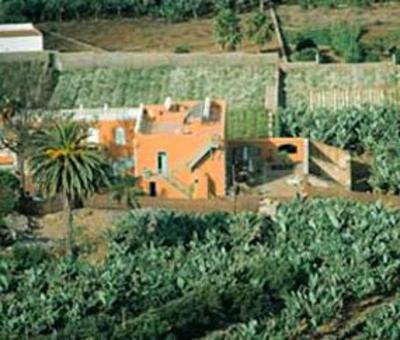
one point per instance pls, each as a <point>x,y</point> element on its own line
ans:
<point>353,316</point>
<point>73,41</point>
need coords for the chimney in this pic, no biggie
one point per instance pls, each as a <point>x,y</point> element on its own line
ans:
<point>207,108</point>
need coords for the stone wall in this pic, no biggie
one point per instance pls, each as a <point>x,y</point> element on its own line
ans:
<point>330,163</point>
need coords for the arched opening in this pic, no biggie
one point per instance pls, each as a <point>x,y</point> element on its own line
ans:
<point>288,148</point>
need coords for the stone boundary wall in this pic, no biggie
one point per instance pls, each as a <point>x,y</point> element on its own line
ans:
<point>389,201</point>
<point>331,163</point>
<point>87,60</point>
<point>248,203</point>
<point>23,57</point>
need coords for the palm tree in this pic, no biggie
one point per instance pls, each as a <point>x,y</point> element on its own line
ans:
<point>63,162</point>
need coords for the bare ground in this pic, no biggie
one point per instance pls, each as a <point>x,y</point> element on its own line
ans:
<point>155,35</point>
<point>91,226</point>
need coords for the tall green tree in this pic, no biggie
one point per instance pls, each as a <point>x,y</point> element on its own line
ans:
<point>227,31</point>
<point>64,162</point>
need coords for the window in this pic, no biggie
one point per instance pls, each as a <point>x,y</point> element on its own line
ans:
<point>120,138</point>
<point>93,136</point>
<point>162,165</point>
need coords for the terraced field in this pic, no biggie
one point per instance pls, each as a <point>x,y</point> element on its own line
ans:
<point>25,79</point>
<point>241,86</point>
<point>338,86</point>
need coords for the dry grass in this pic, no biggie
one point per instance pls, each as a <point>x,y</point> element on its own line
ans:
<point>379,20</point>
<point>140,35</point>
<point>155,35</point>
<point>91,225</point>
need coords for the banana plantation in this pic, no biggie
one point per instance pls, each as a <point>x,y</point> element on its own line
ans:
<point>217,276</point>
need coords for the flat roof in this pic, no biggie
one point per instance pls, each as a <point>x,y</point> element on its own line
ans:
<point>19,33</point>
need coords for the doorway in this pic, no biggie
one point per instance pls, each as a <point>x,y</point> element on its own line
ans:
<point>152,189</point>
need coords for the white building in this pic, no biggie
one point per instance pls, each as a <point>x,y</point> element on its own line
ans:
<point>20,38</point>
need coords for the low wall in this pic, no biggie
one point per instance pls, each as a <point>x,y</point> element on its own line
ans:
<point>361,197</point>
<point>87,60</point>
<point>330,163</point>
<point>244,203</point>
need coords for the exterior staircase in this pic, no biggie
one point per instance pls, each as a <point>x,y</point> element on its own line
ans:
<point>211,146</point>
<point>178,185</point>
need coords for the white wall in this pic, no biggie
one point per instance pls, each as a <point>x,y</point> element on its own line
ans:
<point>21,44</point>
<point>16,27</point>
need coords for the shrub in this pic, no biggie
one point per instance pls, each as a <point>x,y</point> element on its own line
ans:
<point>345,41</point>
<point>183,48</point>
<point>29,256</point>
<point>304,43</point>
<point>9,180</point>
<point>8,201</point>
<point>307,54</point>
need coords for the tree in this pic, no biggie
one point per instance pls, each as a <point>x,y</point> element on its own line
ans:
<point>17,126</point>
<point>9,186</point>
<point>259,29</point>
<point>125,189</point>
<point>227,30</point>
<point>64,162</point>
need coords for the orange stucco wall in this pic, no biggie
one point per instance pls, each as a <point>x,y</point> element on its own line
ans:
<point>107,138</point>
<point>180,151</point>
<point>207,179</point>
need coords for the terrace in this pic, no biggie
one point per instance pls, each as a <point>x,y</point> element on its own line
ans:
<point>185,118</point>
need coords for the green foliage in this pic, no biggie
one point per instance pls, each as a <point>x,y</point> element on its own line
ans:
<point>125,189</point>
<point>320,36</point>
<point>345,41</point>
<point>383,323</point>
<point>23,80</point>
<point>93,88</point>
<point>343,38</point>
<point>386,165</point>
<point>9,187</point>
<point>227,31</point>
<point>183,49</point>
<point>173,275</point>
<point>64,162</point>
<point>306,54</point>
<point>9,180</point>
<point>249,122</point>
<point>27,257</point>
<point>8,201</point>
<point>259,30</point>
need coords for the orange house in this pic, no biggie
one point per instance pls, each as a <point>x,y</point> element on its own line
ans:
<point>180,149</point>
<point>114,129</point>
